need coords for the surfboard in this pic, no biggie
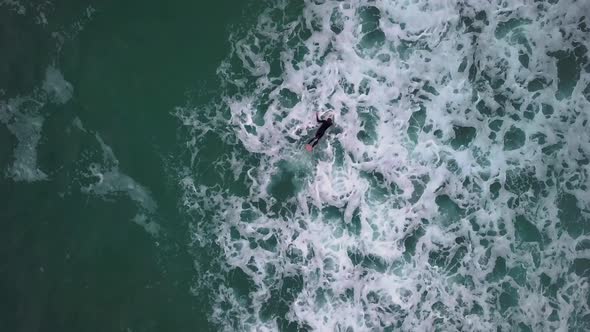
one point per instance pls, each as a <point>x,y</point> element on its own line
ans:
<point>308,147</point>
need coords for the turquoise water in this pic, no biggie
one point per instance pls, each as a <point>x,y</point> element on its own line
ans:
<point>154,176</point>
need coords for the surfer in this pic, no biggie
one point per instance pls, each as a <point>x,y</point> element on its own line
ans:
<point>321,131</point>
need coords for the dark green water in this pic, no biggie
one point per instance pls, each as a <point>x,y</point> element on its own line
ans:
<point>75,262</point>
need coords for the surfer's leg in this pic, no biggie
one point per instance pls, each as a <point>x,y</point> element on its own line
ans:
<point>317,139</point>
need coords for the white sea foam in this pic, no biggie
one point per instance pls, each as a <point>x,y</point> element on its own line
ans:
<point>106,179</point>
<point>56,87</point>
<point>453,192</point>
<point>16,6</point>
<point>34,9</point>
<point>24,119</point>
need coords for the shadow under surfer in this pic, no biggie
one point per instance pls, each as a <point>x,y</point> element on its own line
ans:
<point>321,131</point>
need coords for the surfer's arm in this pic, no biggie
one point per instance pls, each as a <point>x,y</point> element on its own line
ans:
<point>318,118</point>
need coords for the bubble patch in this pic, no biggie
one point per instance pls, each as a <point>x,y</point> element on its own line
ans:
<point>104,179</point>
<point>24,119</point>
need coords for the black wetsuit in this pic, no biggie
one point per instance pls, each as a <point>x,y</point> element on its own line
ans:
<point>321,131</point>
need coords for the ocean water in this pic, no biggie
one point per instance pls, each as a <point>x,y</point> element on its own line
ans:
<point>154,176</point>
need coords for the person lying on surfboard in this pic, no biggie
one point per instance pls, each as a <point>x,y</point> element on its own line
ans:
<point>321,131</point>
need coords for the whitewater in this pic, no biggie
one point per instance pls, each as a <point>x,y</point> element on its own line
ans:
<point>451,194</point>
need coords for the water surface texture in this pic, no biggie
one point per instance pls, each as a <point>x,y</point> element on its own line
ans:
<point>153,175</point>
